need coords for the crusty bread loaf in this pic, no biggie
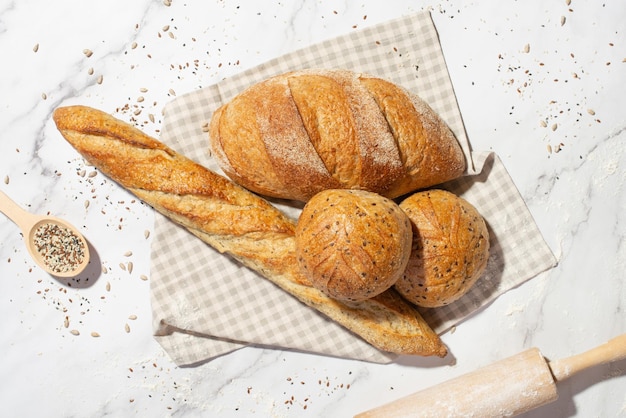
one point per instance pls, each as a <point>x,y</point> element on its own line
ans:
<point>234,221</point>
<point>352,244</point>
<point>302,132</point>
<point>450,248</point>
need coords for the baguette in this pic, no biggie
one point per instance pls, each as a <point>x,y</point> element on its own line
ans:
<point>236,222</point>
<point>296,134</point>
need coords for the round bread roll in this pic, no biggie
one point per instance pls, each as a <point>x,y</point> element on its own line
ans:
<point>352,244</point>
<point>450,248</point>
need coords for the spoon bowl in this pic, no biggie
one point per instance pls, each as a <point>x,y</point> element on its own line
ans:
<point>55,245</point>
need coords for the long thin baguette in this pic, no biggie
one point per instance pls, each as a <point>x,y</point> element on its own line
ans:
<point>234,221</point>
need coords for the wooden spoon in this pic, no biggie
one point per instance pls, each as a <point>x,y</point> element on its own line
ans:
<point>55,245</point>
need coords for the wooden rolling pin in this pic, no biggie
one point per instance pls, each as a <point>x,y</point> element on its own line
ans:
<point>506,388</point>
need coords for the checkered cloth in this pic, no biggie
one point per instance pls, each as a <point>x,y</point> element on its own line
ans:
<point>205,304</point>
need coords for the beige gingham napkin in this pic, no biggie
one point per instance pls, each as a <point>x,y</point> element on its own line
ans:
<point>206,304</point>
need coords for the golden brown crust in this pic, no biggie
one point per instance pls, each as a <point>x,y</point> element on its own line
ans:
<point>234,221</point>
<point>352,244</point>
<point>428,149</point>
<point>450,248</point>
<point>366,132</point>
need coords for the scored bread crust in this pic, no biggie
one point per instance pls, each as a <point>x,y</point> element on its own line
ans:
<point>234,221</point>
<point>352,244</point>
<point>450,248</point>
<point>312,130</point>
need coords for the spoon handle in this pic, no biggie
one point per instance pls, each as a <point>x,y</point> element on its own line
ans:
<point>13,211</point>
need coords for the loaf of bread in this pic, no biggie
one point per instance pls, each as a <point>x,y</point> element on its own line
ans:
<point>450,248</point>
<point>302,132</point>
<point>234,221</point>
<point>352,244</point>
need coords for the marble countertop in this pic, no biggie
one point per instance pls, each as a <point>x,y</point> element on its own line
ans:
<point>539,83</point>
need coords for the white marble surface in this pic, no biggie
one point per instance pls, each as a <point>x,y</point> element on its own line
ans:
<point>513,64</point>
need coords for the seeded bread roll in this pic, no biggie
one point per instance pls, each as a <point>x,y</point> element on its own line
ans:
<point>302,132</point>
<point>352,244</point>
<point>236,222</point>
<point>450,248</point>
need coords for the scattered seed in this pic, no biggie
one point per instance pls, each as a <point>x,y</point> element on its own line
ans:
<point>74,332</point>
<point>568,2</point>
<point>123,266</point>
<point>549,148</point>
<point>88,52</point>
<point>526,48</point>
<point>93,174</point>
<point>591,112</point>
<point>66,322</point>
<point>95,334</point>
<point>127,328</point>
<point>562,20</point>
<point>167,3</point>
<point>143,277</point>
<point>543,123</point>
<point>90,71</point>
<point>132,317</point>
<point>128,253</point>
<point>104,269</point>
<point>86,204</point>
<point>100,79</point>
<point>172,92</point>
<point>554,126</point>
<point>146,234</point>
<point>44,96</point>
<point>151,117</point>
<point>6,181</point>
<point>108,287</point>
<point>130,267</point>
<point>140,99</point>
<point>166,28</point>
<point>36,48</point>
